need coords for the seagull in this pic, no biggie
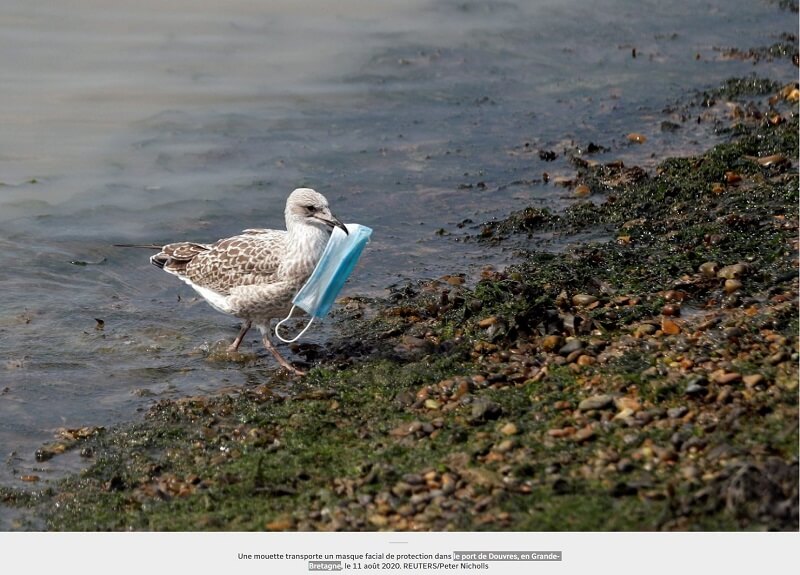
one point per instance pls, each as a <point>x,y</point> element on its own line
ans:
<point>254,275</point>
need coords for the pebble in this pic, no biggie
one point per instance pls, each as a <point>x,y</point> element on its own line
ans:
<point>694,389</point>
<point>732,285</point>
<point>378,520</point>
<point>509,429</point>
<point>432,404</point>
<point>753,379</point>
<point>697,379</point>
<point>584,434</point>
<point>733,272</point>
<point>585,360</point>
<point>732,332</point>
<point>573,357</point>
<point>582,190</point>
<point>448,484</point>
<point>484,410</point>
<point>777,358</point>
<point>583,300</point>
<point>709,269</point>
<point>570,346</point>
<point>671,309</point>
<point>637,138</point>
<point>603,401</point>
<point>725,378</point>
<point>677,412</point>
<point>505,446</point>
<point>551,342</point>
<point>413,479</point>
<point>624,414</point>
<point>669,327</point>
<point>725,395</point>
<point>561,432</point>
<point>623,403</point>
<point>645,329</point>
<point>675,295</point>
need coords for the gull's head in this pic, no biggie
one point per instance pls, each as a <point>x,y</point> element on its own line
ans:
<point>308,207</point>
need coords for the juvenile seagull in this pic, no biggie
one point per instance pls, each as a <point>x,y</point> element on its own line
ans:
<point>255,275</point>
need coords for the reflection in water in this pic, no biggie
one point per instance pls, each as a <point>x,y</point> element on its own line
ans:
<point>150,121</point>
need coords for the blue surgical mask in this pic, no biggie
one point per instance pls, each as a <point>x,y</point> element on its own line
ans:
<point>335,265</point>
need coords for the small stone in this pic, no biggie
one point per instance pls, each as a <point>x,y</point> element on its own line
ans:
<point>280,524</point>
<point>671,309</point>
<point>709,269</point>
<point>725,378</point>
<point>413,479</point>
<point>561,432</point>
<point>584,434</point>
<point>753,379</point>
<point>778,357</point>
<point>509,429</point>
<point>448,484</point>
<point>645,329</point>
<point>649,373</point>
<point>570,346</point>
<point>675,295</point>
<point>573,357</point>
<point>636,138</point>
<point>694,389</point>
<point>582,190</point>
<point>733,272</point>
<point>623,403</point>
<point>487,322</point>
<point>732,332</point>
<point>677,412</point>
<point>378,520</point>
<point>583,300</point>
<point>551,342</point>
<point>624,414</point>
<point>732,285</point>
<point>432,404</point>
<point>596,402</point>
<point>697,379</point>
<point>669,327</point>
<point>584,360</point>
<point>505,446</point>
<point>484,410</point>
<point>732,177</point>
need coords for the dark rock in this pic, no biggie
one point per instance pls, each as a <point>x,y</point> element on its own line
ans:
<point>571,346</point>
<point>484,410</point>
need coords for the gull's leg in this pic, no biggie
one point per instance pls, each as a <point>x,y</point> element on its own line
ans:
<point>279,357</point>
<point>238,341</point>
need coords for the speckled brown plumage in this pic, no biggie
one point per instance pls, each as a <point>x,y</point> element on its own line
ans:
<point>255,275</point>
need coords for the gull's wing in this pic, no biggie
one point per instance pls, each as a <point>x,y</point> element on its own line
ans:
<point>249,258</point>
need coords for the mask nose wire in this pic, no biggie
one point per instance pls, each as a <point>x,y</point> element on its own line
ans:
<point>299,335</point>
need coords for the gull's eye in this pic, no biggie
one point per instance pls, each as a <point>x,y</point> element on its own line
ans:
<point>311,208</point>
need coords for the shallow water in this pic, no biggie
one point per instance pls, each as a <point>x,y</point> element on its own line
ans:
<point>154,122</point>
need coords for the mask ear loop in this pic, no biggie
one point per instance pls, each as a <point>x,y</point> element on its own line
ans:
<point>299,335</point>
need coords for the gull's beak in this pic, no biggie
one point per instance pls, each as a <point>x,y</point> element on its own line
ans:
<point>332,221</point>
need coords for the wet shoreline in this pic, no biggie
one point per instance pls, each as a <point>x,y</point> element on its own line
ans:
<point>635,368</point>
<point>647,382</point>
